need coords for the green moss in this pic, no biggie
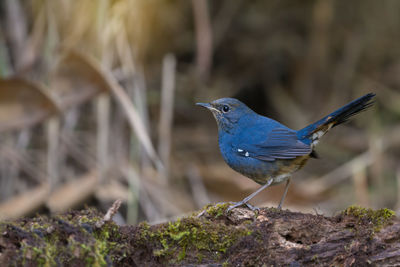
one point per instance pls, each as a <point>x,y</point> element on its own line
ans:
<point>199,257</point>
<point>315,259</point>
<point>103,245</point>
<point>378,218</point>
<point>64,239</point>
<point>43,254</point>
<point>216,210</point>
<point>191,235</point>
<point>182,254</point>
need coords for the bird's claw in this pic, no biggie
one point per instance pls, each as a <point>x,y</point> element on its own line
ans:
<point>253,208</point>
<point>241,203</point>
<point>232,206</point>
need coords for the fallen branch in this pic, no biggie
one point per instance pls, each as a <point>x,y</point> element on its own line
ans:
<point>354,237</point>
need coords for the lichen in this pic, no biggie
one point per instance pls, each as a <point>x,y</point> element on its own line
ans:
<point>191,235</point>
<point>378,218</point>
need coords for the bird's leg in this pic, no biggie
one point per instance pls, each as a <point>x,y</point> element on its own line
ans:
<point>245,200</point>
<point>284,194</point>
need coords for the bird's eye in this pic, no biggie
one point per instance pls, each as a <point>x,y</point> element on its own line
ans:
<point>225,108</point>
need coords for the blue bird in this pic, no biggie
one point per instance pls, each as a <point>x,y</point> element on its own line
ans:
<point>265,150</point>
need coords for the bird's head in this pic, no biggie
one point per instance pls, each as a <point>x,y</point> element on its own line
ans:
<point>227,112</point>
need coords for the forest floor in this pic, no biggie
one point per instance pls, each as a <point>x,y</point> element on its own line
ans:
<point>356,236</point>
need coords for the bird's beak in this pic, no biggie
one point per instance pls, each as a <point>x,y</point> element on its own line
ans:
<point>208,106</point>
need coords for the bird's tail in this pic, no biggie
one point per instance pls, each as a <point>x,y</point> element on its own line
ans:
<point>312,133</point>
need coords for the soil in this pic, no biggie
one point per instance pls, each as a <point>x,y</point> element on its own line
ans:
<point>355,237</point>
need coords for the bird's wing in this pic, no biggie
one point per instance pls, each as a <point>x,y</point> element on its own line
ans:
<point>279,143</point>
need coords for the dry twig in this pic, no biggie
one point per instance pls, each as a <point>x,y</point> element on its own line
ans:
<point>110,213</point>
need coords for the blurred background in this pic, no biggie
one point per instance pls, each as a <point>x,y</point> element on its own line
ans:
<point>97,101</point>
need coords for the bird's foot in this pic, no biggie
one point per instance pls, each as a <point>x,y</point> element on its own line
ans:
<point>231,207</point>
<point>253,208</point>
<point>241,203</point>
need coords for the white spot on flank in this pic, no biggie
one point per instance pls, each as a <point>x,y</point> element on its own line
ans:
<point>240,150</point>
<point>318,135</point>
<point>246,154</point>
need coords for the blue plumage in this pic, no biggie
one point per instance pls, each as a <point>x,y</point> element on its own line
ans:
<point>265,150</point>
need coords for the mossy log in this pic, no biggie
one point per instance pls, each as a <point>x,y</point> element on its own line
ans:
<point>355,237</point>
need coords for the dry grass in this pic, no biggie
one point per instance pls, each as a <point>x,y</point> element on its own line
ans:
<point>95,69</point>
